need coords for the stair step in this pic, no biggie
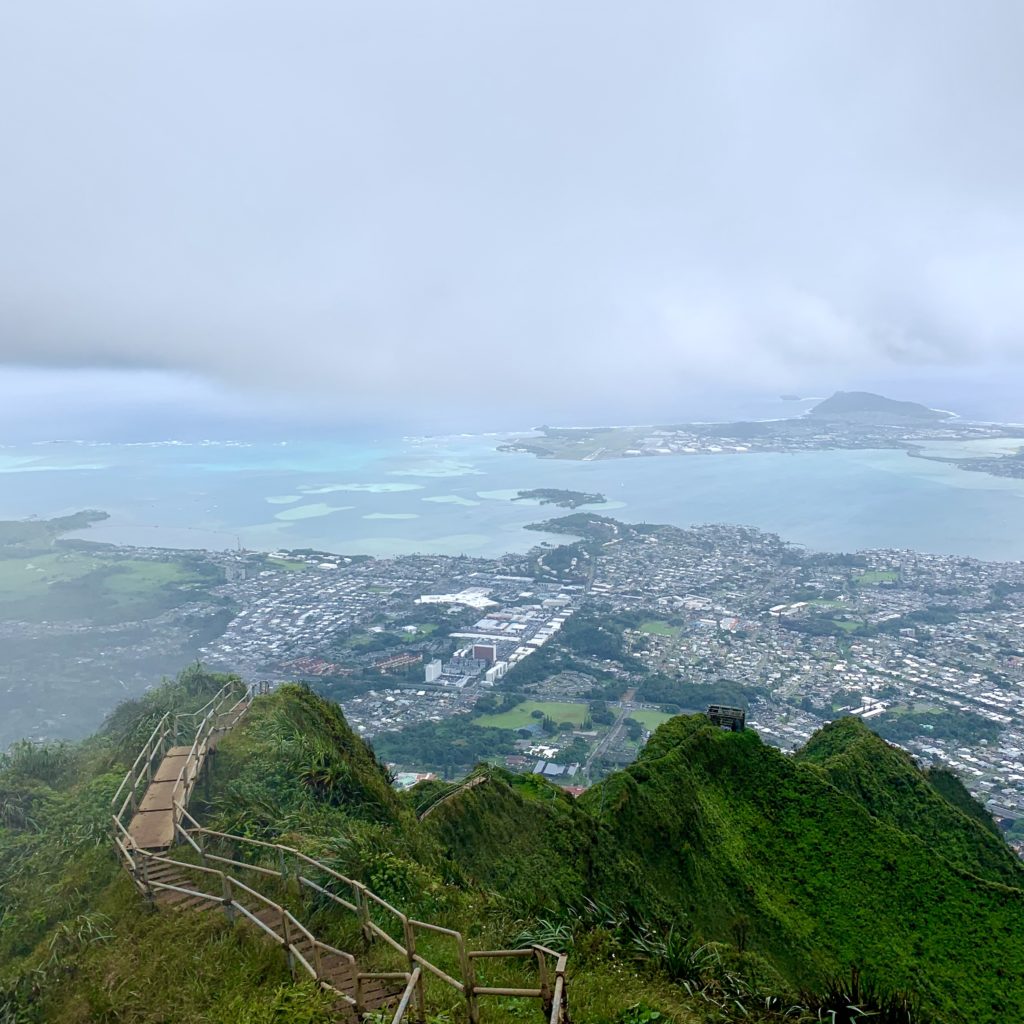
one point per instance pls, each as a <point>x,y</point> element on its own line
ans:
<point>163,871</point>
<point>335,962</point>
<point>181,880</point>
<point>180,901</point>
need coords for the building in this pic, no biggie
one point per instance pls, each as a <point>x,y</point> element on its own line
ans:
<point>433,671</point>
<point>485,652</point>
<point>734,719</point>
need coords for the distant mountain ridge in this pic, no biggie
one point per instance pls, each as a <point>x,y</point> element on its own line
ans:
<point>865,405</point>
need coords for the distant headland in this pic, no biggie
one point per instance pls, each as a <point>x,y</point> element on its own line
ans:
<point>846,420</point>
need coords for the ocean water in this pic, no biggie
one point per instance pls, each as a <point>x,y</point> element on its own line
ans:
<point>453,495</point>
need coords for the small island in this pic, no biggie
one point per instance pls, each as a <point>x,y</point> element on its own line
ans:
<point>563,499</point>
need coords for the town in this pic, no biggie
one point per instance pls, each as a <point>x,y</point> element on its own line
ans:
<point>564,660</point>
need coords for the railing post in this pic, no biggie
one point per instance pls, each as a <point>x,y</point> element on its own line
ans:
<point>364,911</point>
<point>359,1008</point>
<point>560,994</point>
<point>229,897</point>
<point>545,981</point>
<point>145,876</point>
<point>469,981</point>
<point>132,783</point>
<point>286,934</point>
<point>410,950</point>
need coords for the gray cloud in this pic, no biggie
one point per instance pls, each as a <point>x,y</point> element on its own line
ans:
<point>377,201</point>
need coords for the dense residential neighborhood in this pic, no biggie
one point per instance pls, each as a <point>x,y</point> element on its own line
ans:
<point>925,648</point>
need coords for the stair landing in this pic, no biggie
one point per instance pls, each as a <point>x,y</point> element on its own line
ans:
<point>152,826</point>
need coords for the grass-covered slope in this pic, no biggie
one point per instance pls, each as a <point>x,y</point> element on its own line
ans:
<point>77,942</point>
<point>529,841</point>
<point>887,783</point>
<point>294,760</point>
<point>747,842</point>
<point>713,874</point>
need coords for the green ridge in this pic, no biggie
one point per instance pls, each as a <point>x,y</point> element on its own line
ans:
<point>716,879</point>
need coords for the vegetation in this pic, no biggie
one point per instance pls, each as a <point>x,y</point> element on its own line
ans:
<point>826,878</point>
<point>523,714</point>
<point>659,627</point>
<point>562,498</point>
<point>874,576</point>
<point>97,586</point>
<point>681,694</point>
<point>32,535</point>
<point>449,746</point>
<point>650,720</point>
<point>963,726</point>
<point>863,405</point>
<point>716,879</point>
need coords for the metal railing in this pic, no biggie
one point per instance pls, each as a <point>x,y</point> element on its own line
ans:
<point>217,715</point>
<point>361,902</point>
<point>298,941</point>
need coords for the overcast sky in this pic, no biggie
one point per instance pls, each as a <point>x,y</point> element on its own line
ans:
<point>588,206</point>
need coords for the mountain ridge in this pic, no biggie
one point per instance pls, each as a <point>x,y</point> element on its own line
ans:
<point>716,874</point>
<point>871,407</point>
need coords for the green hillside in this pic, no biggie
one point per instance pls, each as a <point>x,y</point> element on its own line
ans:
<point>714,880</point>
<point>935,808</point>
<point>730,830</point>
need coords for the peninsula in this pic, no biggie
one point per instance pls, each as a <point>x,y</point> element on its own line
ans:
<point>846,420</point>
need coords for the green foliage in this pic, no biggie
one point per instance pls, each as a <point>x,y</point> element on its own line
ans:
<point>853,1000</point>
<point>129,725</point>
<point>680,693</point>
<point>639,1013</point>
<point>950,788</point>
<point>708,882</point>
<point>887,783</point>
<point>724,826</point>
<point>451,746</point>
<point>295,761</point>
<point>965,727</point>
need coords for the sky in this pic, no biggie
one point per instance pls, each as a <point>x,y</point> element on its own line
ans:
<point>560,210</point>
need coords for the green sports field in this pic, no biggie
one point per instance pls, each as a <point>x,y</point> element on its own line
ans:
<point>519,716</point>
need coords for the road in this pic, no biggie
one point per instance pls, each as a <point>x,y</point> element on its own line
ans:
<point>611,737</point>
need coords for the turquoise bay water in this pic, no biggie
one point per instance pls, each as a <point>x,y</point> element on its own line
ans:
<point>453,495</point>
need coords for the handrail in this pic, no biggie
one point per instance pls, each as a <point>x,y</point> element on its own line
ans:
<point>157,738</point>
<point>297,941</point>
<point>403,1004</point>
<point>468,986</point>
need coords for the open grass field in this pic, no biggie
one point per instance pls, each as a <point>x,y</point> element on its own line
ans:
<point>650,719</point>
<point>289,564</point>
<point>25,578</point>
<point>873,576</point>
<point>659,628</point>
<point>69,585</point>
<point>519,716</point>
